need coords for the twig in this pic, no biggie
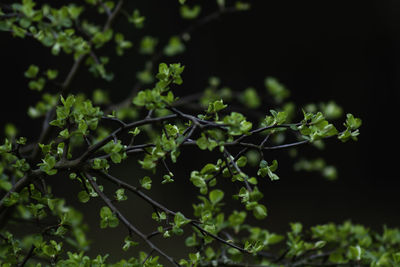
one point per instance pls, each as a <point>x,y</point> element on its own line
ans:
<point>125,221</point>
<point>154,203</point>
<point>27,256</point>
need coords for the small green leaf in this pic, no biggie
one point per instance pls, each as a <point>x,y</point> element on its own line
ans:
<point>260,211</point>
<point>129,243</point>
<point>120,195</point>
<point>276,89</point>
<point>216,196</point>
<point>174,47</point>
<point>38,84</point>
<point>146,182</point>
<point>250,98</point>
<point>83,196</point>
<point>190,12</point>
<point>64,133</point>
<point>355,253</point>
<point>32,71</point>
<point>51,74</point>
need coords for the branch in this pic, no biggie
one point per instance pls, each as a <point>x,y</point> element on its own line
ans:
<point>113,15</point>
<point>27,256</point>
<point>19,185</point>
<point>92,149</point>
<point>125,221</point>
<point>65,86</point>
<point>154,203</point>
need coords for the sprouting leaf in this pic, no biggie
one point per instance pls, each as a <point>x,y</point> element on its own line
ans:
<point>108,219</point>
<point>266,169</point>
<point>128,243</point>
<point>120,195</point>
<point>137,19</point>
<point>352,122</point>
<point>145,182</point>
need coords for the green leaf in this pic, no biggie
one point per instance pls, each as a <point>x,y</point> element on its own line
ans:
<point>64,133</point>
<point>266,169</point>
<point>174,47</point>
<point>352,122</point>
<point>10,130</point>
<point>209,168</point>
<point>190,12</point>
<point>241,162</point>
<point>180,220</point>
<point>145,182</point>
<point>105,212</point>
<point>51,74</point>
<point>128,243</point>
<point>135,132</point>
<point>276,89</point>
<point>197,179</point>
<point>214,107</point>
<point>355,253</point>
<point>137,19</point>
<point>48,164</point>
<point>38,84</point>
<point>108,219</point>
<point>120,195</point>
<point>239,5</point>
<point>32,71</point>
<point>216,196</point>
<point>167,179</point>
<point>206,143</point>
<point>250,98</point>
<point>148,45</point>
<point>5,185</point>
<point>83,196</point>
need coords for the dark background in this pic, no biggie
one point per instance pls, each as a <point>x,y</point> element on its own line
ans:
<point>347,51</point>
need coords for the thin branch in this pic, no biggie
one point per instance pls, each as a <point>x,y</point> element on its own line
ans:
<point>92,149</point>
<point>126,222</point>
<point>113,15</point>
<point>27,256</point>
<point>65,86</point>
<point>19,185</point>
<point>154,203</point>
<point>229,158</point>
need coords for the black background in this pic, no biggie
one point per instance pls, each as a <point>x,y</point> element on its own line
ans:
<point>347,51</point>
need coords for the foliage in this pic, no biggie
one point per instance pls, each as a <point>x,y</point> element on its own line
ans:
<point>85,138</point>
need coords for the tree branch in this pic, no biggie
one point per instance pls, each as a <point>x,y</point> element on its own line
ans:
<point>126,222</point>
